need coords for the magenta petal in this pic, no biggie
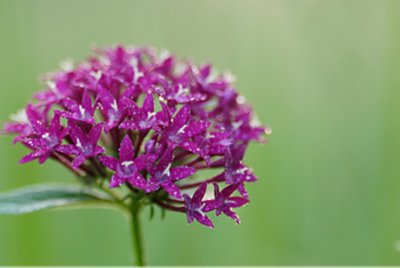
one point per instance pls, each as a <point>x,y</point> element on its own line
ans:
<point>109,162</point>
<point>106,98</point>
<point>182,116</point>
<point>98,150</point>
<point>190,218</point>
<point>95,133</point>
<point>39,128</point>
<point>64,114</point>
<point>199,194</point>
<point>235,201</point>
<point>243,192</point>
<point>116,181</point>
<point>148,103</point>
<point>196,128</point>
<point>126,150</point>
<point>68,149</point>
<point>27,158</point>
<point>34,143</point>
<point>231,215</point>
<point>138,181</point>
<point>131,106</point>
<point>129,124</point>
<point>210,205</point>
<point>203,219</point>
<point>152,185</point>
<point>76,133</point>
<point>149,146</point>
<point>63,133</point>
<point>70,104</point>
<point>79,160</point>
<point>141,160</point>
<point>166,159</point>
<point>43,158</point>
<point>40,151</point>
<point>191,146</point>
<point>172,189</point>
<point>110,125</point>
<point>165,114</point>
<point>179,173</point>
<point>55,124</point>
<point>227,191</point>
<point>87,102</point>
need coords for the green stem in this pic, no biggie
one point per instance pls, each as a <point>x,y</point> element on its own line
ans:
<point>137,242</point>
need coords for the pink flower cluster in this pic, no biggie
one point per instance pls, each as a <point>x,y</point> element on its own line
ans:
<point>147,121</point>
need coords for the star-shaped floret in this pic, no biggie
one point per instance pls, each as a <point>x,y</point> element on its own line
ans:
<point>224,201</point>
<point>179,94</point>
<point>57,91</point>
<point>195,206</point>
<point>85,146</point>
<point>113,110</point>
<point>127,168</point>
<point>21,122</point>
<point>178,131</point>
<point>142,118</point>
<point>213,143</point>
<point>162,175</point>
<point>246,128</point>
<point>79,112</point>
<point>235,171</point>
<point>47,139</point>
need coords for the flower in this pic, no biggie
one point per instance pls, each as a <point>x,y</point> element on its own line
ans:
<point>163,175</point>
<point>129,118</point>
<point>85,145</point>
<point>45,140</point>
<point>195,206</point>
<point>127,167</point>
<point>224,201</point>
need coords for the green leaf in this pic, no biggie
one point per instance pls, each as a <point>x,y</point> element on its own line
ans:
<point>40,197</point>
<point>151,212</point>
<point>162,213</point>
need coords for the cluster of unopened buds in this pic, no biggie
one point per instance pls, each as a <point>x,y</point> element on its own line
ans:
<point>145,124</point>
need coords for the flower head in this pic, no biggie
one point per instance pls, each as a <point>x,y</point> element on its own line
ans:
<point>133,119</point>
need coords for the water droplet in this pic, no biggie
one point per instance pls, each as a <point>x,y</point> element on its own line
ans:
<point>268,130</point>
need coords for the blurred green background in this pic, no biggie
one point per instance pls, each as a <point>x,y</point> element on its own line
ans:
<point>323,74</point>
